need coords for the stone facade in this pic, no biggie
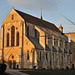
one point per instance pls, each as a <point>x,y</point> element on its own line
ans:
<point>27,45</point>
<point>72,46</point>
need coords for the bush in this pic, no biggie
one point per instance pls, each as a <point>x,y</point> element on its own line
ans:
<point>34,67</point>
<point>2,68</point>
<point>67,68</point>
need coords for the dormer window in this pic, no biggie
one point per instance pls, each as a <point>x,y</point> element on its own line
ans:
<point>36,34</point>
<point>27,30</point>
<point>12,17</point>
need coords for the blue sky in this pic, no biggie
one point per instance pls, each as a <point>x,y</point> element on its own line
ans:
<point>51,10</point>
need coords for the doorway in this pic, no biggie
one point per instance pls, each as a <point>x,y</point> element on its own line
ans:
<point>12,62</point>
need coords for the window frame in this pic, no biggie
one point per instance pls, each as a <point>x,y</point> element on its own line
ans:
<point>7,39</point>
<point>13,36</point>
<point>17,39</point>
<point>27,54</point>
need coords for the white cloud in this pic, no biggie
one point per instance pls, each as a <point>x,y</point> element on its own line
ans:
<point>46,4</point>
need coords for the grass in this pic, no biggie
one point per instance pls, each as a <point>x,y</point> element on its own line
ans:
<point>5,74</point>
<point>49,72</point>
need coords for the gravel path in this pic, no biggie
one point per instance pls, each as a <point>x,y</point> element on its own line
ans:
<point>15,72</point>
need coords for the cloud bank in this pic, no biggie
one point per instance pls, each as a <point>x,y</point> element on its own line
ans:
<point>45,4</point>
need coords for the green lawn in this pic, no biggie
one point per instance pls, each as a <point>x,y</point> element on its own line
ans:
<point>5,74</point>
<point>49,72</point>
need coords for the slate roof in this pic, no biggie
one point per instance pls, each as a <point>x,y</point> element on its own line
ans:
<point>37,21</point>
<point>70,52</point>
<point>65,51</point>
<point>54,50</point>
<point>59,50</point>
<point>35,42</point>
<point>47,48</point>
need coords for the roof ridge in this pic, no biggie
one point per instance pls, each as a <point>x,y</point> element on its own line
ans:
<point>27,14</point>
<point>37,21</point>
<point>33,16</point>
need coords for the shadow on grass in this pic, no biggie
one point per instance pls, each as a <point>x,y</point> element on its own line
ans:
<point>49,72</point>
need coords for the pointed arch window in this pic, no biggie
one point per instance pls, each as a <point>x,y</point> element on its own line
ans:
<point>12,17</point>
<point>28,55</point>
<point>17,39</point>
<point>7,39</point>
<point>12,36</point>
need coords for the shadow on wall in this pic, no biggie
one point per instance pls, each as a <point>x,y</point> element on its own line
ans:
<point>73,53</point>
<point>71,39</point>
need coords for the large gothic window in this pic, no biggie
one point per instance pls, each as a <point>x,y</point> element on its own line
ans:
<point>12,36</point>
<point>12,17</point>
<point>17,39</point>
<point>7,39</point>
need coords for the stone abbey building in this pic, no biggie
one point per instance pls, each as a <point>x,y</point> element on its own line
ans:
<point>30,42</point>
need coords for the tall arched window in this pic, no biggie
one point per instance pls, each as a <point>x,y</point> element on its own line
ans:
<point>7,39</point>
<point>28,55</point>
<point>12,36</point>
<point>17,39</point>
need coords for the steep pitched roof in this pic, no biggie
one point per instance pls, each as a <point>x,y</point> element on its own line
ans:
<point>65,51</point>
<point>70,52</point>
<point>53,49</point>
<point>47,48</point>
<point>35,42</point>
<point>37,21</point>
<point>59,50</point>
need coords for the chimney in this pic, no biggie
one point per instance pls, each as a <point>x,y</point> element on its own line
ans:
<point>61,28</point>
